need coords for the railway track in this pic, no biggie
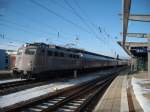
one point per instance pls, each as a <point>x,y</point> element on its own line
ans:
<point>11,87</point>
<point>14,83</point>
<point>76,99</point>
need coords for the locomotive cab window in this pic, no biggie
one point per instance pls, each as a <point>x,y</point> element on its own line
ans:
<point>30,51</point>
<point>56,53</point>
<point>19,52</point>
<point>43,51</point>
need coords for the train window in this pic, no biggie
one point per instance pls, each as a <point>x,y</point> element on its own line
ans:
<point>56,53</point>
<point>6,60</point>
<point>19,52</point>
<point>43,51</point>
<point>30,51</point>
<point>74,56</point>
<point>50,53</point>
<point>62,54</point>
<point>70,55</point>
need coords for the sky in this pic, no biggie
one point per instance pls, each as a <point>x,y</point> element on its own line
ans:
<point>93,25</point>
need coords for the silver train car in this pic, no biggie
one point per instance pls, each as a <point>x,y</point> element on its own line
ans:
<point>39,59</point>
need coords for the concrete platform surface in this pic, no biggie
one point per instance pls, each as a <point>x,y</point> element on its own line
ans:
<point>141,88</point>
<point>119,97</point>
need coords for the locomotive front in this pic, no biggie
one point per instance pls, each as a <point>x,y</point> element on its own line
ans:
<point>25,61</point>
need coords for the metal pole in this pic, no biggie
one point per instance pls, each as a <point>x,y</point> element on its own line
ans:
<point>131,64</point>
<point>149,56</point>
<point>75,73</point>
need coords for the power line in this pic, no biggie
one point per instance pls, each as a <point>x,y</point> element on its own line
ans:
<point>10,39</point>
<point>5,25</point>
<point>92,24</point>
<point>58,3</point>
<point>45,25</point>
<point>58,15</point>
<point>20,27</point>
<point>25,26</point>
<point>2,24</point>
<point>83,11</point>
<point>82,19</point>
<point>85,14</point>
<point>76,13</point>
<point>34,20</point>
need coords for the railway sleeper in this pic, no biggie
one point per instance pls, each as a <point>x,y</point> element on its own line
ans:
<point>59,101</point>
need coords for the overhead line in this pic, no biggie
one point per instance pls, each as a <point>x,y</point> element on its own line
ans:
<point>82,19</point>
<point>85,14</point>
<point>58,15</point>
<point>58,3</point>
<point>18,27</point>
<point>2,24</point>
<point>45,25</point>
<point>24,27</point>
<point>76,13</point>
<point>14,40</point>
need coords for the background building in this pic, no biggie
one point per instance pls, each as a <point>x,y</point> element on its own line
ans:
<point>12,58</point>
<point>4,60</point>
<point>7,59</point>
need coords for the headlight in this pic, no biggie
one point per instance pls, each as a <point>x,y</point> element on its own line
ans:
<point>29,64</point>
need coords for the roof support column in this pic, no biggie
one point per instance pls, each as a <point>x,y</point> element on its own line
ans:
<point>149,56</point>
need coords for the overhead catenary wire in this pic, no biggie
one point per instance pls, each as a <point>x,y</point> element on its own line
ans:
<point>26,27</point>
<point>77,14</point>
<point>83,20</point>
<point>84,13</point>
<point>8,26</point>
<point>46,25</point>
<point>21,27</point>
<point>10,39</point>
<point>59,16</point>
<point>100,29</point>
<point>18,28</point>
<point>59,33</point>
<point>60,5</point>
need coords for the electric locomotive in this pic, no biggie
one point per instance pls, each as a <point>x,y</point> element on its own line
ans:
<point>40,59</point>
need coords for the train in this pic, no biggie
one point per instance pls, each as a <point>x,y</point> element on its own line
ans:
<point>36,60</point>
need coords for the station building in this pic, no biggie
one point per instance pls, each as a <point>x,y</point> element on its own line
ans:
<point>12,58</point>
<point>4,60</point>
<point>7,59</point>
<point>138,53</point>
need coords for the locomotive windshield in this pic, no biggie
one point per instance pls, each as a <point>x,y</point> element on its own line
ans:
<point>19,52</point>
<point>30,51</point>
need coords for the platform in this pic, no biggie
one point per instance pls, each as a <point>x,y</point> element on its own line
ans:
<point>141,87</point>
<point>120,96</point>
